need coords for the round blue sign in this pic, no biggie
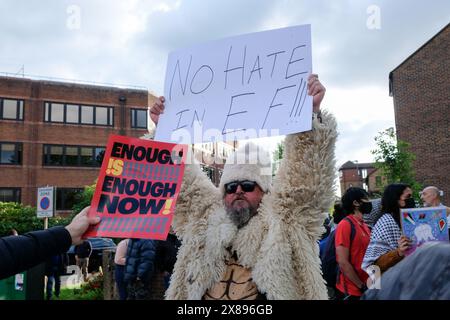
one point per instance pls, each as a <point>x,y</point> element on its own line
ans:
<point>45,203</point>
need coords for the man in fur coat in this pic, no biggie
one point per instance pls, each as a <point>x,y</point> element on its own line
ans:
<point>251,238</point>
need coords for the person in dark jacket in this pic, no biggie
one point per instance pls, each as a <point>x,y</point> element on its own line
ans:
<point>166,256</point>
<point>55,267</point>
<point>139,268</point>
<point>19,253</point>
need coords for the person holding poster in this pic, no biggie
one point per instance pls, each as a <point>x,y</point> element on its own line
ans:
<point>249,238</point>
<point>387,245</point>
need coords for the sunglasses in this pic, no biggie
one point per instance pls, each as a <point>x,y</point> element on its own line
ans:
<point>246,186</point>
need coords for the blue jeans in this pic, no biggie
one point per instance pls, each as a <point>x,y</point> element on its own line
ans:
<point>54,278</point>
<point>119,274</point>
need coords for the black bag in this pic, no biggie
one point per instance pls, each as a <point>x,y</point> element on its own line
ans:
<point>330,267</point>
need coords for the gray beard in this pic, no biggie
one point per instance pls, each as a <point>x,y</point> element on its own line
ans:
<point>240,217</point>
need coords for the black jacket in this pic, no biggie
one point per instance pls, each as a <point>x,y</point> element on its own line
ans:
<point>19,253</point>
<point>57,264</point>
<point>166,255</point>
<point>140,260</point>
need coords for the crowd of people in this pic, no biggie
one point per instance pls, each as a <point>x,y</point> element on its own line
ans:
<point>252,238</point>
<point>359,246</point>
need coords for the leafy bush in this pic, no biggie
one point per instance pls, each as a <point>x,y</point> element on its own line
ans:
<point>23,219</point>
<point>84,199</point>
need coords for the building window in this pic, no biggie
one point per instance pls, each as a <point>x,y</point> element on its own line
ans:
<point>10,195</point>
<point>87,115</point>
<point>72,113</point>
<point>139,118</point>
<point>11,109</point>
<point>364,173</point>
<point>66,197</point>
<point>53,155</point>
<point>101,116</point>
<point>10,153</point>
<point>73,156</point>
<point>99,153</point>
<point>78,114</point>
<point>378,181</point>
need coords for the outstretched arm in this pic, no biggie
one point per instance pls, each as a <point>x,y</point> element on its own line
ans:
<point>304,186</point>
<point>18,253</point>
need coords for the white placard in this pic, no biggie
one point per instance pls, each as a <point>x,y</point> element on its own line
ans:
<point>224,90</point>
<point>45,203</point>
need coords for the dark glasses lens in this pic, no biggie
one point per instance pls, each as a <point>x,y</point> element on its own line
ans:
<point>246,186</point>
<point>231,187</point>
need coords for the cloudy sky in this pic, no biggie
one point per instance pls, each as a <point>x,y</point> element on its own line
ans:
<point>356,43</point>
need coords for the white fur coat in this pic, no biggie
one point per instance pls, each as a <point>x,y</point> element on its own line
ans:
<point>279,244</point>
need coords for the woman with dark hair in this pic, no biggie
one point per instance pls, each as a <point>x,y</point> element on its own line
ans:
<point>387,245</point>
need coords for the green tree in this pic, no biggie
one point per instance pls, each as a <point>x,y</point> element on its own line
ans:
<point>278,153</point>
<point>84,199</point>
<point>394,160</point>
<point>277,156</point>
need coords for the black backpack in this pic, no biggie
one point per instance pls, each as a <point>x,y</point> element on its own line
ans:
<point>330,267</point>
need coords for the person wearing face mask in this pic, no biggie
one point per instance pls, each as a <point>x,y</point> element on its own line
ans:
<point>351,240</point>
<point>387,245</point>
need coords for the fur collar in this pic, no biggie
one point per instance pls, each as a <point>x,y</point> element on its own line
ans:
<point>223,234</point>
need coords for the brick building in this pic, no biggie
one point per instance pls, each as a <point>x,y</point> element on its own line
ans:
<point>362,175</point>
<point>54,133</point>
<point>420,87</point>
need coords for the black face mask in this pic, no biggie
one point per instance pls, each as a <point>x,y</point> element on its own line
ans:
<point>409,203</point>
<point>365,207</point>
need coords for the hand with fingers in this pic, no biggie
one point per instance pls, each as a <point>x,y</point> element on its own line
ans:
<point>316,90</point>
<point>156,109</point>
<point>404,243</point>
<point>80,224</point>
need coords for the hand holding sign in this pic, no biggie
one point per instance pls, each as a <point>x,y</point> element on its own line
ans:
<point>137,188</point>
<point>244,87</point>
<point>404,243</point>
<point>80,224</point>
<point>315,89</point>
<point>156,109</point>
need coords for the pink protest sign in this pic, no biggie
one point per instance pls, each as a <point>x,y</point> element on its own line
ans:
<point>137,188</point>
